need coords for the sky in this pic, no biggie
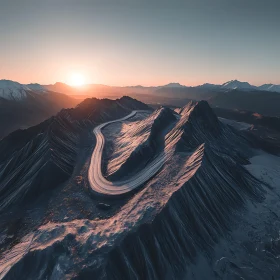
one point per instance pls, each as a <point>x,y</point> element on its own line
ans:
<point>147,42</point>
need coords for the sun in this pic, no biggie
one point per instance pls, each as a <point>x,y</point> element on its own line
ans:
<point>77,80</point>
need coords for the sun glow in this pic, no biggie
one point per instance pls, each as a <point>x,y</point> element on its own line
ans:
<point>77,80</point>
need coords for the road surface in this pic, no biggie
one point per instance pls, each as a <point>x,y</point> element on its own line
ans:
<point>100,185</point>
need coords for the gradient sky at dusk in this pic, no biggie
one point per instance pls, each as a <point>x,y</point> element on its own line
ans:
<point>148,42</point>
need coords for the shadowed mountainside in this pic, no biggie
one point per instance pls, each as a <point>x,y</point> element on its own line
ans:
<point>30,156</point>
<point>160,231</point>
<point>31,110</point>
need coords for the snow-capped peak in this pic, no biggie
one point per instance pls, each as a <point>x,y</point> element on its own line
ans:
<point>11,90</point>
<point>235,84</point>
<point>270,87</point>
<point>12,84</point>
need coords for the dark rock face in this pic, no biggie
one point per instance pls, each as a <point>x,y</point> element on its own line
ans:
<point>158,232</point>
<point>193,220</point>
<point>46,160</point>
<point>42,157</point>
<point>163,118</point>
<point>199,125</point>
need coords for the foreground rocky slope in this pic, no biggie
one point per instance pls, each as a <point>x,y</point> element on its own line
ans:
<point>47,155</point>
<point>180,224</point>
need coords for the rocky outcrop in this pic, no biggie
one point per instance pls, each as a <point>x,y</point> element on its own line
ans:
<point>40,158</point>
<point>42,163</point>
<point>162,119</point>
<point>158,231</point>
<point>211,189</point>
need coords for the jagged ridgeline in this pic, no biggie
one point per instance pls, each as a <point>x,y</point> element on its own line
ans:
<point>155,232</point>
<point>39,158</point>
<point>211,185</point>
<point>156,126</point>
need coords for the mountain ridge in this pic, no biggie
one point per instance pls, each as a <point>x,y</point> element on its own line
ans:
<point>158,231</point>
<point>231,84</point>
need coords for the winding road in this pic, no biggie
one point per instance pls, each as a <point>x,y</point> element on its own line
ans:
<point>96,180</point>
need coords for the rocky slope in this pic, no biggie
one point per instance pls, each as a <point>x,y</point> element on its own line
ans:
<point>173,227</point>
<point>32,160</point>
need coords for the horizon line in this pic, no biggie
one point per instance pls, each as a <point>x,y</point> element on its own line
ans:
<point>137,85</point>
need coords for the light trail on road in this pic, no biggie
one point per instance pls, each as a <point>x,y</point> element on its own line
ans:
<point>100,185</point>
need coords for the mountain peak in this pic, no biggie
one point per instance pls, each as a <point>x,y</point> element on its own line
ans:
<point>174,85</point>
<point>235,84</point>
<point>200,114</point>
<point>37,87</point>
<point>209,86</point>
<point>12,90</point>
<point>9,83</point>
<point>270,87</point>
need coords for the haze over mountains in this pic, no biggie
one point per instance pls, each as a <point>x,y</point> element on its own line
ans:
<point>237,85</point>
<point>22,106</point>
<point>11,90</point>
<point>25,105</point>
<point>233,84</point>
<point>14,90</point>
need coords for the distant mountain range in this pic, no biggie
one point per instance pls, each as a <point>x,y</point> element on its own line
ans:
<point>15,91</point>
<point>270,87</point>
<point>11,90</point>
<point>22,106</point>
<point>230,85</point>
<point>237,85</point>
<point>174,85</point>
<point>234,84</point>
